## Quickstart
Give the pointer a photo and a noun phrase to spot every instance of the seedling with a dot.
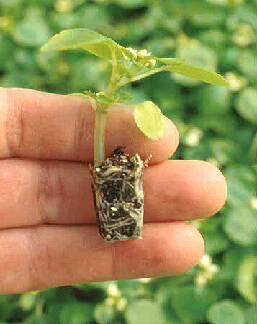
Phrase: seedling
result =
(117, 181)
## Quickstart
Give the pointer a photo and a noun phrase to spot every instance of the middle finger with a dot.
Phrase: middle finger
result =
(58, 192)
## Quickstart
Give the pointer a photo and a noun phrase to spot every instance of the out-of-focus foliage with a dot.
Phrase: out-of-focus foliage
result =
(216, 124)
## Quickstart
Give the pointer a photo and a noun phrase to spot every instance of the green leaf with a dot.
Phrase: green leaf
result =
(131, 4)
(194, 53)
(246, 104)
(144, 311)
(241, 226)
(33, 30)
(75, 313)
(241, 182)
(247, 273)
(83, 39)
(213, 101)
(226, 312)
(198, 73)
(104, 314)
(194, 72)
(247, 63)
(27, 301)
(251, 315)
(215, 243)
(150, 120)
(191, 304)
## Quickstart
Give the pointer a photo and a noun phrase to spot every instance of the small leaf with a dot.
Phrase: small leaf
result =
(150, 120)
(83, 39)
(198, 73)
(225, 312)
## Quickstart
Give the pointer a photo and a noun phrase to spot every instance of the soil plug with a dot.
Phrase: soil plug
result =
(119, 196)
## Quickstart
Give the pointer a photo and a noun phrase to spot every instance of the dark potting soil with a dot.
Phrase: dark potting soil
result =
(117, 185)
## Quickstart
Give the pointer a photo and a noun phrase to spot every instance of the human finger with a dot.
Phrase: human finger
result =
(40, 192)
(50, 256)
(41, 125)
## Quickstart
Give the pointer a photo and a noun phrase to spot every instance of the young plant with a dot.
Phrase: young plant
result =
(117, 181)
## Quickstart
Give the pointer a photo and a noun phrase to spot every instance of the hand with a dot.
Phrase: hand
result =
(48, 235)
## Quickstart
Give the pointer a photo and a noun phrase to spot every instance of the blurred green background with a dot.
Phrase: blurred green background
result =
(216, 124)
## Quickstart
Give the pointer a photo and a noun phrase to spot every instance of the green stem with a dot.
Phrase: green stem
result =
(101, 115)
(99, 136)
(114, 76)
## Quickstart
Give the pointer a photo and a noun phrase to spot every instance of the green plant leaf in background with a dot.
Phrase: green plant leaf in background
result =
(144, 311)
(75, 313)
(251, 315)
(191, 304)
(150, 120)
(104, 314)
(241, 226)
(226, 312)
(247, 104)
(33, 30)
(246, 278)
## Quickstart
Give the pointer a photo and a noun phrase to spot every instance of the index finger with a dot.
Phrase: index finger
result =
(41, 125)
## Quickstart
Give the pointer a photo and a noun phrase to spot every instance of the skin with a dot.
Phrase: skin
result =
(48, 235)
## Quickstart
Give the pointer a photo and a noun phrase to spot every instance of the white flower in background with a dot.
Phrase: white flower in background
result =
(200, 281)
(207, 271)
(113, 290)
(235, 81)
(115, 298)
(193, 137)
(253, 203)
(205, 261)
(121, 304)
(244, 35)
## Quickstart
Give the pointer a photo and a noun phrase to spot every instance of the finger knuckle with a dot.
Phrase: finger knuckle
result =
(14, 120)
(39, 260)
(50, 192)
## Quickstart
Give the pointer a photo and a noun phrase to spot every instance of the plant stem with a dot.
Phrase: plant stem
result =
(99, 136)
(101, 115)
